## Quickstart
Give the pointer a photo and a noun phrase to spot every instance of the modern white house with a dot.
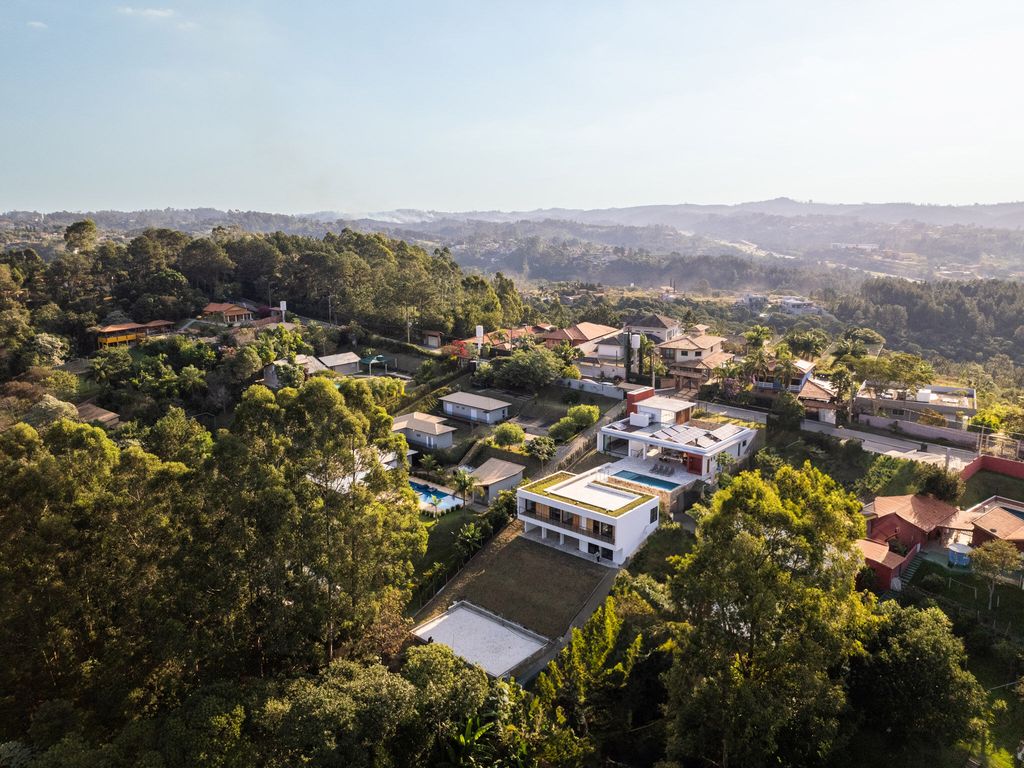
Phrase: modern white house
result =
(494, 476)
(588, 514)
(344, 362)
(424, 430)
(475, 408)
(665, 450)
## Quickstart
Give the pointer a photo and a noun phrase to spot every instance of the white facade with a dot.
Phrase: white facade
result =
(588, 513)
(689, 450)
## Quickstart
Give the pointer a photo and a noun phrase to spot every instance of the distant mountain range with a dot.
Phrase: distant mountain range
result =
(917, 241)
(685, 215)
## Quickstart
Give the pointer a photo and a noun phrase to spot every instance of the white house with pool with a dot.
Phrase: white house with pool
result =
(592, 514)
(664, 449)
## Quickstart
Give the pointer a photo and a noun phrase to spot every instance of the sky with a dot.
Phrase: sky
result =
(312, 105)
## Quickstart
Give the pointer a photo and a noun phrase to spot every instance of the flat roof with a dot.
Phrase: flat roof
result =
(470, 400)
(588, 492)
(340, 359)
(673, 404)
(480, 637)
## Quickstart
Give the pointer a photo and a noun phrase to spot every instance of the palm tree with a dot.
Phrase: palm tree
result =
(463, 483)
(758, 336)
(785, 365)
(755, 364)
(428, 464)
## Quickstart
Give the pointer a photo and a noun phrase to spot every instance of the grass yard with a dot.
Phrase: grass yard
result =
(525, 582)
(441, 533)
(590, 461)
(985, 484)
(1010, 607)
(864, 473)
(652, 559)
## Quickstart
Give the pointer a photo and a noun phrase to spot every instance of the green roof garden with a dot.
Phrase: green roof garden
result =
(540, 487)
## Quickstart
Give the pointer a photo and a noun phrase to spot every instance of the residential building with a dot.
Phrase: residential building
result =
(589, 513)
(224, 312)
(494, 476)
(692, 358)
(819, 400)
(503, 341)
(424, 430)
(798, 305)
(667, 452)
(886, 563)
(911, 519)
(585, 336)
(346, 363)
(934, 404)
(308, 363)
(998, 518)
(475, 408)
(129, 334)
(656, 327)
(432, 339)
(91, 413)
(773, 379)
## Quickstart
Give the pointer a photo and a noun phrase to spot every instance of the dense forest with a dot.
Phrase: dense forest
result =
(969, 320)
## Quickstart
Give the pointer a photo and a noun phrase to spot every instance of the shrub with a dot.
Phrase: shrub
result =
(509, 434)
(933, 582)
(584, 415)
(563, 429)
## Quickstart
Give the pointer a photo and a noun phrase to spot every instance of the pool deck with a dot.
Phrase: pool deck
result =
(679, 476)
(426, 507)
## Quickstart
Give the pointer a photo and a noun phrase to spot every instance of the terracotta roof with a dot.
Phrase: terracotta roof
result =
(421, 422)
(224, 308)
(1002, 523)
(814, 389)
(580, 332)
(89, 412)
(495, 470)
(709, 362)
(923, 512)
(157, 323)
(651, 320)
(119, 327)
(877, 552)
(692, 341)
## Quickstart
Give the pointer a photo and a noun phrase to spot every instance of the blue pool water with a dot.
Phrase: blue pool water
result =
(445, 500)
(655, 482)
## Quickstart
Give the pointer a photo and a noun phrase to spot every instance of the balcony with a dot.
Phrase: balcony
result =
(572, 527)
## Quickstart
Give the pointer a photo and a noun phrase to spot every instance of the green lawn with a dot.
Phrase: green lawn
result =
(864, 473)
(670, 539)
(523, 581)
(985, 484)
(441, 533)
(969, 591)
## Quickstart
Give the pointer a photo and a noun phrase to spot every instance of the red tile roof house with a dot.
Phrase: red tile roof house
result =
(585, 335)
(226, 313)
(500, 342)
(911, 519)
(883, 561)
(998, 518)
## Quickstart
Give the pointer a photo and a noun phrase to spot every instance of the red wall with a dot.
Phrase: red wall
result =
(632, 398)
(884, 528)
(1006, 467)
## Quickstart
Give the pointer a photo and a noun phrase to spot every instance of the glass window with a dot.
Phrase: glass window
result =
(654, 514)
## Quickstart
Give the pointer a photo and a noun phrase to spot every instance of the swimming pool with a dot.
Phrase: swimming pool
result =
(445, 501)
(655, 482)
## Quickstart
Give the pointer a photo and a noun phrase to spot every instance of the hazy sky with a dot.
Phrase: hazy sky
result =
(299, 105)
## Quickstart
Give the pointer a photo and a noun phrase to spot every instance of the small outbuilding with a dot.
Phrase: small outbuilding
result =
(494, 476)
(475, 408)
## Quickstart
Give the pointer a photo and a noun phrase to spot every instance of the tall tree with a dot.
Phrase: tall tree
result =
(768, 612)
